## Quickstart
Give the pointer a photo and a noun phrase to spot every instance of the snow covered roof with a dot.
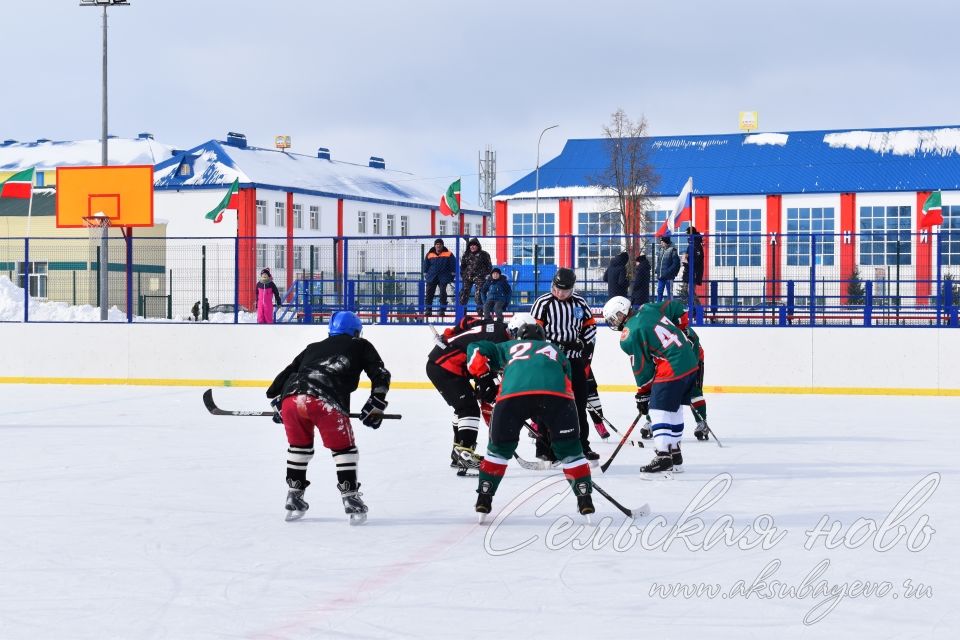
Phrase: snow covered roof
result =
(49, 154)
(909, 159)
(217, 164)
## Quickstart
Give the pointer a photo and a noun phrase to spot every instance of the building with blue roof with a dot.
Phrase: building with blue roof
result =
(758, 199)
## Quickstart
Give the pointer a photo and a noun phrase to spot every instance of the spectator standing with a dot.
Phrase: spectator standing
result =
(496, 294)
(695, 241)
(267, 292)
(640, 287)
(439, 268)
(668, 266)
(616, 275)
(474, 269)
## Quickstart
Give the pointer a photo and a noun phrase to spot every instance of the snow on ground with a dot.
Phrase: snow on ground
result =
(130, 512)
(11, 310)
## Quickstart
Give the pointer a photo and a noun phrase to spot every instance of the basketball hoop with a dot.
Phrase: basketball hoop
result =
(97, 220)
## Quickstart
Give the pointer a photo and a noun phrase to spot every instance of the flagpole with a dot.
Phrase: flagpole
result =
(30, 203)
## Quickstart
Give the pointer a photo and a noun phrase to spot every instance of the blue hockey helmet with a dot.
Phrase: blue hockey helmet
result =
(345, 322)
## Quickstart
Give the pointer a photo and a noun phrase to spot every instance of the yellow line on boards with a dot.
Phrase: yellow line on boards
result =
(745, 389)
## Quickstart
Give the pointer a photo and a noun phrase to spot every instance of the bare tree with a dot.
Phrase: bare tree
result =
(629, 178)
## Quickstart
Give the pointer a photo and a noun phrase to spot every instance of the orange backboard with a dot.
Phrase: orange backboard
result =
(123, 194)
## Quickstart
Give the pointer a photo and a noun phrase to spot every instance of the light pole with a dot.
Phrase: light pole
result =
(104, 228)
(536, 208)
(103, 113)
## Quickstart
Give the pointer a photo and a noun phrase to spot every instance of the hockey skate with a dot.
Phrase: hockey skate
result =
(584, 500)
(702, 432)
(466, 457)
(296, 506)
(661, 466)
(353, 504)
(645, 433)
(677, 457)
(484, 501)
(592, 456)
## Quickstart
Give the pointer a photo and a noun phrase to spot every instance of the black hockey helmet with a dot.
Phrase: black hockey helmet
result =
(564, 278)
(531, 332)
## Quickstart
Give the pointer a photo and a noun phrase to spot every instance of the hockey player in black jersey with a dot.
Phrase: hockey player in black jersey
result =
(447, 370)
(313, 392)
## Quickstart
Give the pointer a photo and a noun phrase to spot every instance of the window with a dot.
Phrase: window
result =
(442, 227)
(38, 176)
(316, 256)
(391, 223)
(185, 170)
(376, 224)
(38, 278)
(539, 238)
(279, 256)
(261, 255)
(950, 232)
(279, 214)
(262, 212)
(314, 217)
(361, 221)
(885, 235)
(737, 238)
(595, 246)
(804, 222)
(298, 257)
(298, 216)
(404, 225)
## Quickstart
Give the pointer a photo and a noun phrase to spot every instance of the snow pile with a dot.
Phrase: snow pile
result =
(11, 308)
(777, 139)
(73, 153)
(905, 142)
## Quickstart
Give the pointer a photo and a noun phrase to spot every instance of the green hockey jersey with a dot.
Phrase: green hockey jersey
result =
(658, 349)
(527, 366)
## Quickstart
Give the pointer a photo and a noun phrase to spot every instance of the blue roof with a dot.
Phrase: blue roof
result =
(838, 161)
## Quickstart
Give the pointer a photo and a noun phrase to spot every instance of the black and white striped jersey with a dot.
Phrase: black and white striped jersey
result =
(565, 321)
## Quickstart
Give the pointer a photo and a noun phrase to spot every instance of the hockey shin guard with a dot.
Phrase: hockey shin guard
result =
(494, 466)
(346, 462)
(297, 460)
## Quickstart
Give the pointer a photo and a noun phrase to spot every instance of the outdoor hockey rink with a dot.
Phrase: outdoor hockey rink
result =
(130, 512)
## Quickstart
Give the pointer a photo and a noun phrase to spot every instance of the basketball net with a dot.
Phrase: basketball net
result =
(98, 231)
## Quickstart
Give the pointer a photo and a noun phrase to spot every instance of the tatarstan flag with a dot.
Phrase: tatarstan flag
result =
(18, 185)
(230, 201)
(932, 211)
(450, 202)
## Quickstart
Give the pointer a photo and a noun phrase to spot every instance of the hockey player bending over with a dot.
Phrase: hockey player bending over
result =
(536, 385)
(665, 367)
(447, 370)
(314, 392)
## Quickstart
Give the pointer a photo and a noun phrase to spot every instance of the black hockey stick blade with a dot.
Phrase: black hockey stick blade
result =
(637, 512)
(623, 441)
(217, 411)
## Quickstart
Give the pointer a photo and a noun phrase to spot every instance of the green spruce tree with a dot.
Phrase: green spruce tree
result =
(855, 290)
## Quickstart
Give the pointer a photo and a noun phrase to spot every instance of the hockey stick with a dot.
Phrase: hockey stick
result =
(217, 411)
(632, 443)
(606, 465)
(710, 431)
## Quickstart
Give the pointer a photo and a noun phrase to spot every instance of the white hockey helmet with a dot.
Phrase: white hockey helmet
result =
(518, 320)
(616, 312)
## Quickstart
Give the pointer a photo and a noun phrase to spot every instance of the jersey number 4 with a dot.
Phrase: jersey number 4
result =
(519, 350)
(667, 337)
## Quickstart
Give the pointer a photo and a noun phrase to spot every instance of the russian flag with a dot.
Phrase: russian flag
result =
(682, 210)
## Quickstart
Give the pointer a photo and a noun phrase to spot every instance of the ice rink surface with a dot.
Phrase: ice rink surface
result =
(130, 512)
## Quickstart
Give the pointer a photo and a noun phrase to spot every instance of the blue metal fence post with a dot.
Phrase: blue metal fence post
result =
(347, 299)
(457, 285)
(813, 279)
(26, 279)
(782, 315)
(128, 237)
(791, 299)
(868, 304)
(384, 313)
(236, 280)
(939, 288)
(421, 297)
(307, 301)
(714, 295)
(351, 295)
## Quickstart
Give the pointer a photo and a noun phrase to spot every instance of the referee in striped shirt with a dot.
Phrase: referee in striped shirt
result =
(568, 322)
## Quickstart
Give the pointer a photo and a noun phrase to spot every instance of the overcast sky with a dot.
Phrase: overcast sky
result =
(428, 83)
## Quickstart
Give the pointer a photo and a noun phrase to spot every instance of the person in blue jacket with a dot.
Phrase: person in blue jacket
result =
(668, 266)
(439, 269)
(496, 294)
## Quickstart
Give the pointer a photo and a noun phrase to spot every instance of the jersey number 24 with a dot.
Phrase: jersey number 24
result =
(519, 351)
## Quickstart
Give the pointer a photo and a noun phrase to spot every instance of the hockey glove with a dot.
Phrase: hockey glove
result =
(487, 388)
(372, 412)
(643, 403)
(275, 403)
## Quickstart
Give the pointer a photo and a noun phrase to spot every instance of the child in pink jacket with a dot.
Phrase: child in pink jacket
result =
(266, 293)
